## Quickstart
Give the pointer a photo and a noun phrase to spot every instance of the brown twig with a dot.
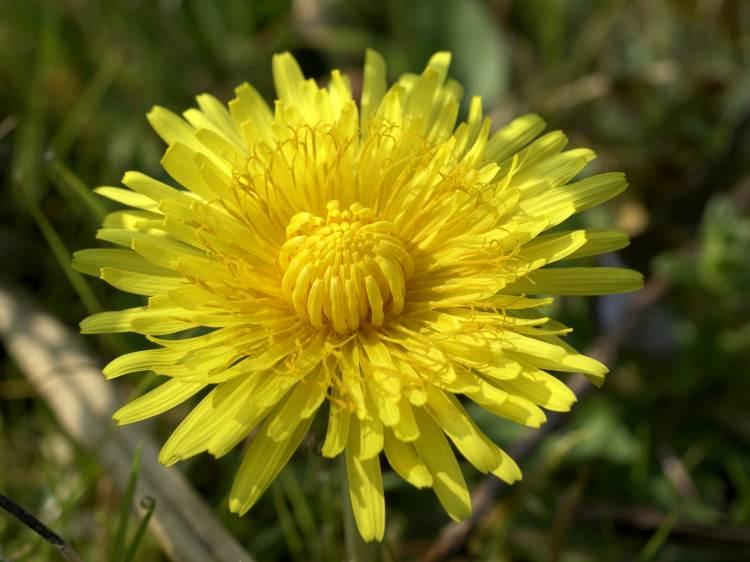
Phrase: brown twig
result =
(677, 474)
(569, 504)
(453, 536)
(648, 520)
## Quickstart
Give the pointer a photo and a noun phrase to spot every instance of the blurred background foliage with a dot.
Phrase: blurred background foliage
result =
(655, 466)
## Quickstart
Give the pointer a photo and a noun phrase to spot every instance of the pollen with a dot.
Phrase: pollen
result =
(346, 270)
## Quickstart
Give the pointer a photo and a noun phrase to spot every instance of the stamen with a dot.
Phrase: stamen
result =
(346, 270)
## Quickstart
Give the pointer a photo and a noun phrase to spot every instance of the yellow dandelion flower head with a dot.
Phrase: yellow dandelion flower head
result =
(372, 260)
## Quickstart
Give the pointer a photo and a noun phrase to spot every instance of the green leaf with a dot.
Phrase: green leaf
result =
(605, 435)
(480, 53)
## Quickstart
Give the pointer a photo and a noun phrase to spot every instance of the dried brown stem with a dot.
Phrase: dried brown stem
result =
(648, 520)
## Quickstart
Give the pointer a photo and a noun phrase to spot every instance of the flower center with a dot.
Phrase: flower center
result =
(345, 270)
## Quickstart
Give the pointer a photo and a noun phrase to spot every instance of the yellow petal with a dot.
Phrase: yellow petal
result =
(144, 320)
(262, 463)
(289, 80)
(133, 220)
(261, 399)
(440, 62)
(508, 470)
(548, 249)
(144, 360)
(513, 137)
(559, 203)
(540, 388)
(406, 429)
(302, 403)
(579, 281)
(340, 93)
(140, 283)
(404, 460)
(366, 493)
(171, 128)
(552, 171)
(374, 83)
(162, 398)
(164, 252)
(536, 346)
(151, 188)
(221, 147)
(337, 434)
(542, 148)
(125, 237)
(502, 369)
(249, 105)
(366, 435)
(217, 113)
(466, 436)
(93, 260)
(420, 100)
(572, 361)
(506, 405)
(179, 162)
(220, 180)
(601, 241)
(127, 197)
(211, 339)
(447, 481)
(385, 406)
(467, 132)
(194, 433)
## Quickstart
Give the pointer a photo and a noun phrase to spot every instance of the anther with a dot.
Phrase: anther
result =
(345, 270)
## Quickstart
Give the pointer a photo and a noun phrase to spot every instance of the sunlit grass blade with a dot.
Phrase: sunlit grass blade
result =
(118, 547)
(86, 104)
(149, 505)
(63, 257)
(657, 540)
(25, 171)
(738, 474)
(301, 510)
(72, 187)
(292, 536)
(318, 477)
(27, 159)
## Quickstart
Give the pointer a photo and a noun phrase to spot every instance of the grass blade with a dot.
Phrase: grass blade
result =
(28, 144)
(63, 257)
(301, 510)
(118, 549)
(149, 504)
(657, 540)
(70, 185)
(86, 104)
(291, 534)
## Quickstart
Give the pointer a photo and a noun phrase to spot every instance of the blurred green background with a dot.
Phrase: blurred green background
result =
(654, 466)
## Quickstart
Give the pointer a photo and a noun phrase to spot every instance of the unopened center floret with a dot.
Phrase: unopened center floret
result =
(345, 270)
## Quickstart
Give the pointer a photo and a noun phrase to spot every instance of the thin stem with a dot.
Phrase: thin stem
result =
(39, 528)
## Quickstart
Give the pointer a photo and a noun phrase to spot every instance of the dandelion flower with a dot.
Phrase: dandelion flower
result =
(373, 261)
